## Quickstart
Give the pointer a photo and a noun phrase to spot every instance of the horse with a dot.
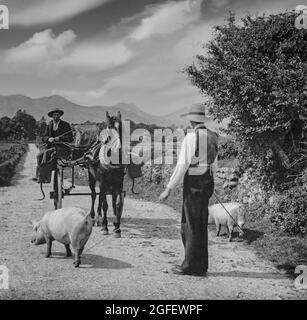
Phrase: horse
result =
(109, 176)
(92, 145)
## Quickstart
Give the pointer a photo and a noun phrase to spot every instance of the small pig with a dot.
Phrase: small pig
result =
(219, 217)
(66, 225)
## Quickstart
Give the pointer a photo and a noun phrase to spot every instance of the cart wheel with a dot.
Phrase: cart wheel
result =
(58, 184)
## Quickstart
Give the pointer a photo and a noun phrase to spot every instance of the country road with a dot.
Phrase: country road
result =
(137, 266)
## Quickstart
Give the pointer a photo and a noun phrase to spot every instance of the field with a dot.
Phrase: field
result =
(5, 146)
(10, 155)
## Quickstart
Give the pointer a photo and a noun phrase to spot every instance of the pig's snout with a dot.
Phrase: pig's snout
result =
(33, 239)
(38, 240)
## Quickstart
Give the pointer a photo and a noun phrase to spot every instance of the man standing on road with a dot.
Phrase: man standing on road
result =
(56, 131)
(196, 165)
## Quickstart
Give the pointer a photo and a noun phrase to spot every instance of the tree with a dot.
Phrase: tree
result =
(41, 126)
(254, 74)
(5, 127)
(21, 126)
(26, 123)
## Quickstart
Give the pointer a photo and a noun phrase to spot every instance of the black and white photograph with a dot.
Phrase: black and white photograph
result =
(153, 150)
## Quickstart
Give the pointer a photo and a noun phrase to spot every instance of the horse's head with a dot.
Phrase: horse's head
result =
(114, 128)
(114, 122)
(111, 139)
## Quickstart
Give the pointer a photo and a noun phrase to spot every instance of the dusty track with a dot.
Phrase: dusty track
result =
(137, 266)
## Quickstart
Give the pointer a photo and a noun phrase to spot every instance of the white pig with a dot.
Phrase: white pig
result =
(67, 226)
(219, 217)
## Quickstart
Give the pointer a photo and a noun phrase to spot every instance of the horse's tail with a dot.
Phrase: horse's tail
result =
(43, 193)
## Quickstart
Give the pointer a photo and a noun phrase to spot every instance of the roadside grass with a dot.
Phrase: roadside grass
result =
(11, 154)
(151, 192)
(284, 251)
(5, 146)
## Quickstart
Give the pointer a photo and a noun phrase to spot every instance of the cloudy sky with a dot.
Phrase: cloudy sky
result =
(102, 52)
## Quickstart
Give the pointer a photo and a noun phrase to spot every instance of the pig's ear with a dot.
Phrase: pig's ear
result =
(35, 225)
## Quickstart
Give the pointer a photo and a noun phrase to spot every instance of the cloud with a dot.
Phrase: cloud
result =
(113, 67)
(51, 11)
(153, 81)
(220, 3)
(46, 54)
(154, 78)
(167, 18)
(96, 57)
(40, 53)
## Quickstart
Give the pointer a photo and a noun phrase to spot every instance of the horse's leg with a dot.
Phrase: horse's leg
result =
(104, 204)
(118, 203)
(68, 251)
(92, 184)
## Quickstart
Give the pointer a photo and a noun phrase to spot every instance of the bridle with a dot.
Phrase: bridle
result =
(110, 141)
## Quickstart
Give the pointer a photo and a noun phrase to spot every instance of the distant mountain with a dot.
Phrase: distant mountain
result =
(74, 113)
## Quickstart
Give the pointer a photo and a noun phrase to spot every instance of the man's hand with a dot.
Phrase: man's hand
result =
(51, 140)
(165, 194)
(57, 139)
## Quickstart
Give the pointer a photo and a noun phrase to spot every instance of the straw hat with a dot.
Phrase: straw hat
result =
(196, 113)
(56, 110)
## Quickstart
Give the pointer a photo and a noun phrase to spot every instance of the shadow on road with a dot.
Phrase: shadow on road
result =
(242, 274)
(252, 235)
(289, 268)
(95, 262)
(154, 228)
(100, 262)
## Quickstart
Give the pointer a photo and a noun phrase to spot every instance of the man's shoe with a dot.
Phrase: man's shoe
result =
(179, 271)
(199, 274)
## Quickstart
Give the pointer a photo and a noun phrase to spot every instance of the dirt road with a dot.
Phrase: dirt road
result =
(137, 266)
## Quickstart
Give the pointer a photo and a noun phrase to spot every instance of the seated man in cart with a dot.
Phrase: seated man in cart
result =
(56, 132)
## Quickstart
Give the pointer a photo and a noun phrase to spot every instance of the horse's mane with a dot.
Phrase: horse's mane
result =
(86, 134)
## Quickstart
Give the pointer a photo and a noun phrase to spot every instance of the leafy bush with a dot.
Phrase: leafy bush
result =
(11, 151)
(289, 211)
(228, 149)
(255, 75)
(157, 174)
